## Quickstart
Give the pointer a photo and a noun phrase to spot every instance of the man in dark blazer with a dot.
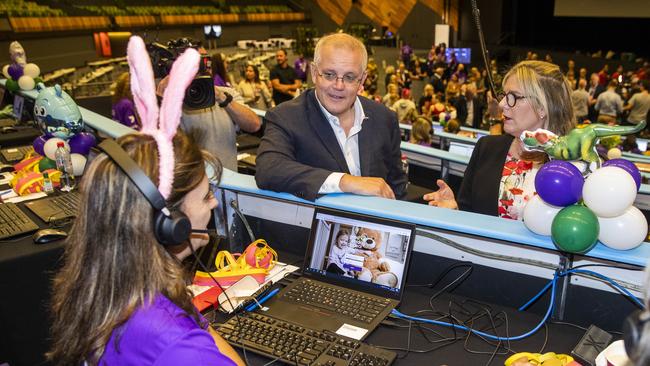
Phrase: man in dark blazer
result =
(329, 139)
(462, 103)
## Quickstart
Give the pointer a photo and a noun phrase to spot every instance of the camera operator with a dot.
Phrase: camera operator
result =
(214, 114)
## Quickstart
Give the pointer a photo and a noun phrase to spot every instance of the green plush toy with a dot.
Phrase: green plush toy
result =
(579, 143)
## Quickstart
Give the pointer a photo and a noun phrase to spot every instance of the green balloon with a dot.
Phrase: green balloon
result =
(12, 85)
(575, 229)
(45, 164)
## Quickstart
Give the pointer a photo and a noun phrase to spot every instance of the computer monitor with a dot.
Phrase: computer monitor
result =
(212, 30)
(463, 55)
(461, 149)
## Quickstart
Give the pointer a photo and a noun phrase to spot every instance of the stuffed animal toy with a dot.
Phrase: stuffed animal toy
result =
(376, 268)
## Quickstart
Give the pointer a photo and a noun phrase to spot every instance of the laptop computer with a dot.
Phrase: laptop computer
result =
(354, 274)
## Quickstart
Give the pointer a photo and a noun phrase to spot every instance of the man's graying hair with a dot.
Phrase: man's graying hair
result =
(341, 40)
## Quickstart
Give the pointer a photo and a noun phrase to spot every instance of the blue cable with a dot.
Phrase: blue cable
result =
(609, 280)
(552, 283)
(483, 334)
(540, 293)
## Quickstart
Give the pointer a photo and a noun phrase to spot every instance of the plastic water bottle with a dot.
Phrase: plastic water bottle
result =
(64, 165)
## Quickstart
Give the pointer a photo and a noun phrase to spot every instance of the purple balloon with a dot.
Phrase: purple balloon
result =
(16, 71)
(559, 183)
(629, 167)
(81, 143)
(38, 144)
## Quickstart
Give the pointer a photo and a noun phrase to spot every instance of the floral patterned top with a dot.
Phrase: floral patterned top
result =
(516, 188)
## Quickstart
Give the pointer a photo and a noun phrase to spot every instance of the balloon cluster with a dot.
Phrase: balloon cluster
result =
(60, 120)
(20, 74)
(577, 213)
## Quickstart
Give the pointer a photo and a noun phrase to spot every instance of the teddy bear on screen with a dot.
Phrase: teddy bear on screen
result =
(376, 268)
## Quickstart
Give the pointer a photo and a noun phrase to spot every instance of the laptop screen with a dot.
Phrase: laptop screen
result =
(360, 252)
(462, 149)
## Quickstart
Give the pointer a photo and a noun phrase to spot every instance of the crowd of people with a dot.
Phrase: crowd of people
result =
(452, 92)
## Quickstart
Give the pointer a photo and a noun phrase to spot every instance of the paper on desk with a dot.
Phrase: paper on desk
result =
(15, 198)
(242, 156)
(278, 272)
(351, 331)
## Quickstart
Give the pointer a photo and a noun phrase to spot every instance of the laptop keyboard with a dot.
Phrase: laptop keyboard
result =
(363, 308)
(297, 345)
(15, 154)
(14, 222)
(56, 207)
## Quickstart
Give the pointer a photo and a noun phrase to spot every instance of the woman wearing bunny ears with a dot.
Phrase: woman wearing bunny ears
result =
(121, 297)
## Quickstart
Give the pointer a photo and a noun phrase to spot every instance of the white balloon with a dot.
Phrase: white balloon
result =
(78, 164)
(26, 82)
(614, 153)
(5, 71)
(539, 215)
(609, 191)
(31, 70)
(623, 232)
(50, 147)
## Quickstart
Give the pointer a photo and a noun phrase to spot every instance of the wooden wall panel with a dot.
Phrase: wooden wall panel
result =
(391, 13)
(387, 13)
(336, 9)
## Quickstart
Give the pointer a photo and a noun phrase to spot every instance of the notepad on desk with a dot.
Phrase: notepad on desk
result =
(207, 296)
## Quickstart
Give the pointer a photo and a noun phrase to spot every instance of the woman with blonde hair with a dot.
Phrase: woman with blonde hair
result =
(500, 176)
(421, 132)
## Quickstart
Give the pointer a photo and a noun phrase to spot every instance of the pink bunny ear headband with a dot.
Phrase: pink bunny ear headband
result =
(161, 125)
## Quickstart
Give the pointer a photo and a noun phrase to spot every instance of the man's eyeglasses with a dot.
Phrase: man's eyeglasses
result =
(348, 79)
(511, 98)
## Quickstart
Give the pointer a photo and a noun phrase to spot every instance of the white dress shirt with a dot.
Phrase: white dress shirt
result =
(349, 146)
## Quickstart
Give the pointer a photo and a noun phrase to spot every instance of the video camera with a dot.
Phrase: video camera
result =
(200, 93)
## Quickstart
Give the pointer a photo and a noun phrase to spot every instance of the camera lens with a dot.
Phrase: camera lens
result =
(200, 93)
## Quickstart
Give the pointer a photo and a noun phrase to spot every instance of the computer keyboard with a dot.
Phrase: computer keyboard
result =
(293, 344)
(55, 207)
(355, 305)
(14, 222)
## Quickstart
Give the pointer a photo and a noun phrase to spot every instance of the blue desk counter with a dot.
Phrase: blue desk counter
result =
(434, 217)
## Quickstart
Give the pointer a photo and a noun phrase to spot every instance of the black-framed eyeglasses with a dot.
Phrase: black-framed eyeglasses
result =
(511, 98)
(348, 79)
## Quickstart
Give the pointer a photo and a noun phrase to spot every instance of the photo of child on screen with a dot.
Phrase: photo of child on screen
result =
(338, 251)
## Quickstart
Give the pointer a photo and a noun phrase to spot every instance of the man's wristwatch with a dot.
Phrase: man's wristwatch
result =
(227, 101)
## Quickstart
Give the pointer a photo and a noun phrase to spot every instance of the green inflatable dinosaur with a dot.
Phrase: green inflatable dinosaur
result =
(579, 143)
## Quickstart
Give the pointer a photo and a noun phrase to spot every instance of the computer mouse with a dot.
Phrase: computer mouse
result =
(45, 236)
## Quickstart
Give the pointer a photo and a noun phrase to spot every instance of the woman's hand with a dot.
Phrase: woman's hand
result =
(443, 197)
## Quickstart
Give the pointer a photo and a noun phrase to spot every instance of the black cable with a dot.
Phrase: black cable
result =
(581, 327)
(484, 51)
(237, 316)
(453, 284)
(235, 207)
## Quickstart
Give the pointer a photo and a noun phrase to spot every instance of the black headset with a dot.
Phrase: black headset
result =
(170, 227)
(632, 333)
